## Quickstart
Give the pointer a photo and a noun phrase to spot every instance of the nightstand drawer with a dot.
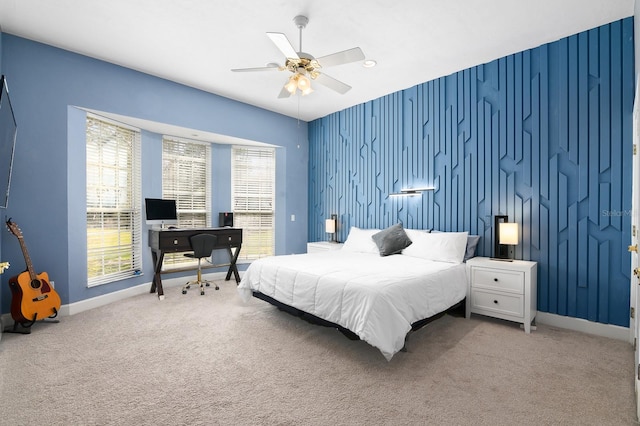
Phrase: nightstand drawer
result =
(501, 303)
(498, 280)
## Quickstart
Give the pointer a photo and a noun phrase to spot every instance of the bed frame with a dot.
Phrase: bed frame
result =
(456, 310)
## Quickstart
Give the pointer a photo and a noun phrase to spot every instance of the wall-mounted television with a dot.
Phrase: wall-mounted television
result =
(160, 212)
(8, 132)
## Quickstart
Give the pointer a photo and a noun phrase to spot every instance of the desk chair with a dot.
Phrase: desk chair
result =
(202, 245)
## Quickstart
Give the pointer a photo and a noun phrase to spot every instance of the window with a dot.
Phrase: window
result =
(253, 198)
(114, 243)
(186, 178)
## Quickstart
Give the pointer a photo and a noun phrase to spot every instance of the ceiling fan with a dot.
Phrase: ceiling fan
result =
(304, 66)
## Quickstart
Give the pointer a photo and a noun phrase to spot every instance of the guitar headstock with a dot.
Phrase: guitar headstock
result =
(13, 228)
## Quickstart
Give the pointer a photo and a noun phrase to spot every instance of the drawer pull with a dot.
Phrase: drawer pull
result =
(495, 301)
(495, 279)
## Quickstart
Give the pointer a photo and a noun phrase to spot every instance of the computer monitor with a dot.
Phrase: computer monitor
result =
(161, 212)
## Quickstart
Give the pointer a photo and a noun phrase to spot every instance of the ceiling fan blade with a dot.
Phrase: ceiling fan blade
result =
(284, 93)
(339, 58)
(282, 43)
(267, 68)
(332, 83)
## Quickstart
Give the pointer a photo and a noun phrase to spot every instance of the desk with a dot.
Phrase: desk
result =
(163, 241)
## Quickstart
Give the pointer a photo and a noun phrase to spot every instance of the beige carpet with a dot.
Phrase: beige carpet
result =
(208, 360)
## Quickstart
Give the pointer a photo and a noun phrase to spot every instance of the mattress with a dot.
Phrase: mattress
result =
(377, 298)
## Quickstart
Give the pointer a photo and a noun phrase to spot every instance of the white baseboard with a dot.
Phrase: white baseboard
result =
(569, 323)
(582, 325)
(96, 302)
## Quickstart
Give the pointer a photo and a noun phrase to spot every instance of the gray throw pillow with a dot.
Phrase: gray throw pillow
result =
(472, 243)
(391, 240)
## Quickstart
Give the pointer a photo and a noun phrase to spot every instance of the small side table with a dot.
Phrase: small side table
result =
(320, 246)
(501, 289)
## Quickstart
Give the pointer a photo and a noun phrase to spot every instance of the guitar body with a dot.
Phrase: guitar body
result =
(32, 300)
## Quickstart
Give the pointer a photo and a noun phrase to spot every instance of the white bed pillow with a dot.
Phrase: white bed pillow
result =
(441, 246)
(472, 244)
(415, 233)
(360, 241)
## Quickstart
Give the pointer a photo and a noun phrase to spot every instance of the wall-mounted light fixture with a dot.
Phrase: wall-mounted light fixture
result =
(331, 227)
(408, 192)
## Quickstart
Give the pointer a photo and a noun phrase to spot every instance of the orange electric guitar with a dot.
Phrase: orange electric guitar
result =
(33, 298)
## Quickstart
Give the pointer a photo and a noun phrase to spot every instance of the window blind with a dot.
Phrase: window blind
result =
(114, 243)
(253, 199)
(186, 178)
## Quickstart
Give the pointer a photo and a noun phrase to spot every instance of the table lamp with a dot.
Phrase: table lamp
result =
(509, 236)
(330, 227)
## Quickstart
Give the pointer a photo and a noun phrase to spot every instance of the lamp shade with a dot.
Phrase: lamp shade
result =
(509, 233)
(330, 226)
(291, 85)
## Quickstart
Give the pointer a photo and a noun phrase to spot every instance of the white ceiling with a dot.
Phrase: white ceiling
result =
(197, 42)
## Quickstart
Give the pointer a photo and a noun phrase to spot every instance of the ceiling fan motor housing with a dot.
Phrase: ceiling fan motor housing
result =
(301, 21)
(305, 63)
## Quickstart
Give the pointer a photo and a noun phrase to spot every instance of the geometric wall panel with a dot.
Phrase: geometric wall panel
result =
(543, 136)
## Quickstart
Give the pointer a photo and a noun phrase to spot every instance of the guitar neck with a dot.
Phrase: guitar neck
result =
(27, 258)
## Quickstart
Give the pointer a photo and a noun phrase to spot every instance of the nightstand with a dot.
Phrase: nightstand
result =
(319, 246)
(500, 289)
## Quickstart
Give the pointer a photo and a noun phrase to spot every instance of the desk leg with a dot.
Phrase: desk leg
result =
(157, 267)
(232, 267)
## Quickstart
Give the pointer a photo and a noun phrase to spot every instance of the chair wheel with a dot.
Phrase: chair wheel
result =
(188, 287)
(184, 291)
(207, 284)
(202, 293)
(217, 288)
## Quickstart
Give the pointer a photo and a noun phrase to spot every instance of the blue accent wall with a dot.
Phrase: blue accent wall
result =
(49, 86)
(543, 136)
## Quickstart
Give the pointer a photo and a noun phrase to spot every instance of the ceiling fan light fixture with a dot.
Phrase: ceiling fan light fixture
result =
(299, 81)
(303, 82)
(292, 84)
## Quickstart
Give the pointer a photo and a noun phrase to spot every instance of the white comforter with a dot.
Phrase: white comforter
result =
(378, 298)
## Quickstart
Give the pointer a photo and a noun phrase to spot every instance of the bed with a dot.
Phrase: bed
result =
(363, 289)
